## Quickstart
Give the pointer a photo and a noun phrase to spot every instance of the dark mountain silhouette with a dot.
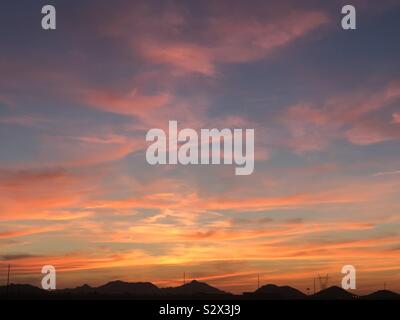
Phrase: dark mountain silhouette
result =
(193, 288)
(271, 291)
(334, 293)
(84, 289)
(22, 290)
(132, 288)
(382, 295)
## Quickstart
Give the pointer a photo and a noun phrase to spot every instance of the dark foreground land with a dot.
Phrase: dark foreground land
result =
(119, 290)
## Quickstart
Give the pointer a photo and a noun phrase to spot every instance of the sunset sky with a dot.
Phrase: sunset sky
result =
(76, 191)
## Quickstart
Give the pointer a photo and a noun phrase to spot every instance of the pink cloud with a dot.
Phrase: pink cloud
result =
(249, 40)
(230, 41)
(75, 151)
(186, 57)
(130, 103)
(347, 116)
(372, 131)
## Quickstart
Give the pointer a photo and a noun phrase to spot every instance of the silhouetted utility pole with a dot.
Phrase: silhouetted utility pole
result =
(314, 285)
(8, 280)
(258, 282)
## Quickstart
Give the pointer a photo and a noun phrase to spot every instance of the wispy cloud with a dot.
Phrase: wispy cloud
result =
(386, 173)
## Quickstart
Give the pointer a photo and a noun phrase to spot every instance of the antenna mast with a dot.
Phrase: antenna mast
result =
(8, 279)
(323, 281)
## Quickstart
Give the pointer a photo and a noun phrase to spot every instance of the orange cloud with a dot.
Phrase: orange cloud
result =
(22, 232)
(39, 194)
